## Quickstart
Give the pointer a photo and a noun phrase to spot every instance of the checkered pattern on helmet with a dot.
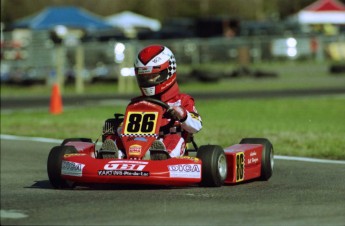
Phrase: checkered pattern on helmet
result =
(172, 66)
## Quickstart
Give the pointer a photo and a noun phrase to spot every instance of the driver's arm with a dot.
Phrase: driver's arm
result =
(187, 115)
(193, 123)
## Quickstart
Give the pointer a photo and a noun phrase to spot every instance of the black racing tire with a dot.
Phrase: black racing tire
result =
(267, 161)
(214, 165)
(65, 141)
(54, 164)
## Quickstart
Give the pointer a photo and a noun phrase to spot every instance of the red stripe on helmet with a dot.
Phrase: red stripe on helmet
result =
(147, 54)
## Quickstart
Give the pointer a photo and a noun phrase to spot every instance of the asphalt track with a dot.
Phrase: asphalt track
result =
(299, 193)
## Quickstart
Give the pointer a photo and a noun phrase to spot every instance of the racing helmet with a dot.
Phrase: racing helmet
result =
(155, 69)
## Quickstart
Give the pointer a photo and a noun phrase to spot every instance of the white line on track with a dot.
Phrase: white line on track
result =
(279, 157)
(305, 159)
(13, 214)
(38, 139)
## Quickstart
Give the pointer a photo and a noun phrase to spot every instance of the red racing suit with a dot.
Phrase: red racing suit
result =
(174, 134)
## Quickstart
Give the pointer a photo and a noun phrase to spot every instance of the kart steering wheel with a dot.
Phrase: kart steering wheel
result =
(152, 100)
(164, 105)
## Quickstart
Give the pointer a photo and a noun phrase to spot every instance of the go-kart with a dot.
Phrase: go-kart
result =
(78, 160)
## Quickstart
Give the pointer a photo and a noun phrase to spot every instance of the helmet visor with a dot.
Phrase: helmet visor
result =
(148, 80)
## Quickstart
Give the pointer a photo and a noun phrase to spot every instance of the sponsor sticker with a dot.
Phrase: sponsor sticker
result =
(123, 173)
(135, 149)
(140, 139)
(125, 165)
(72, 168)
(185, 170)
(157, 59)
(253, 158)
(124, 168)
(145, 70)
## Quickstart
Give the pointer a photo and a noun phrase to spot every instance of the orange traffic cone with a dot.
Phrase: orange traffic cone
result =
(55, 100)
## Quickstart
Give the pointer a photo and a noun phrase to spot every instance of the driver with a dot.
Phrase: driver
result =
(155, 70)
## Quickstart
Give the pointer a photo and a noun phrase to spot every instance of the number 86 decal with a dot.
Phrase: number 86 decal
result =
(141, 123)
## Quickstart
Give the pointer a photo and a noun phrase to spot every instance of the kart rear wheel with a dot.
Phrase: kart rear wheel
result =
(214, 165)
(54, 166)
(267, 161)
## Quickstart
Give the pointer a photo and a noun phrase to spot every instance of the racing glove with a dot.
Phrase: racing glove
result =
(179, 113)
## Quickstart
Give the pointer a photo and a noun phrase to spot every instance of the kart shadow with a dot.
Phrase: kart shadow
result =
(45, 184)
(125, 187)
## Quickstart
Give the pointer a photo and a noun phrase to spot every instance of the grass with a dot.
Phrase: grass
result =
(313, 127)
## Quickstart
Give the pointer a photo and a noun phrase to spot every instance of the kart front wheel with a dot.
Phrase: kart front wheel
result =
(54, 166)
(214, 165)
(267, 160)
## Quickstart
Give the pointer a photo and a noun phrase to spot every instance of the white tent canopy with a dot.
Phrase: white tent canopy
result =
(128, 20)
(322, 12)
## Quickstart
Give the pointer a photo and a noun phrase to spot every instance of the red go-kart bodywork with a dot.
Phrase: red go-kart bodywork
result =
(76, 160)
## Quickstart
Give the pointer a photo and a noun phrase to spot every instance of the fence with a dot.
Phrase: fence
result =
(37, 60)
